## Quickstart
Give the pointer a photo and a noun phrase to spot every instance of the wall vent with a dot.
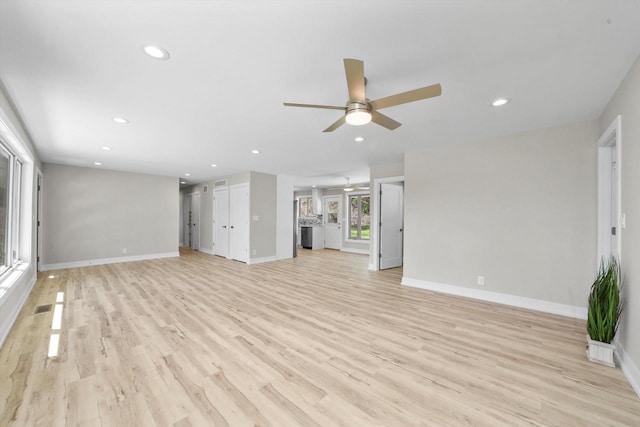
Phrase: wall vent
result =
(220, 183)
(205, 189)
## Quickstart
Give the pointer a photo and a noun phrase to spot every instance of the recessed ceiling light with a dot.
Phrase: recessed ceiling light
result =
(255, 151)
(187, 174)
(156, 52)
(120, 120)
(359, 139)
(183, 182)
(214, 165)
(97, 163)
(500, 102)
(313, 186)
(105, 148)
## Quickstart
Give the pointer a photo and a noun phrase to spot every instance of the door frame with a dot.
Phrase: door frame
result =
(612, 137)
(374, 240)
(190, 206)
(39, 191)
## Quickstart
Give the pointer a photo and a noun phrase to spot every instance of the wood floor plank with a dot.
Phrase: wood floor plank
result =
(318, 340)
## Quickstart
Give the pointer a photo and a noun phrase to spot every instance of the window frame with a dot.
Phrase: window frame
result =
(358, 237)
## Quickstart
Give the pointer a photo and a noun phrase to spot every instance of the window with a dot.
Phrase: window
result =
(359, 218)
(305, 207)
(10, 187)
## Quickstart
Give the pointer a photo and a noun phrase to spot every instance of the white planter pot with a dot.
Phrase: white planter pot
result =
(600, 352)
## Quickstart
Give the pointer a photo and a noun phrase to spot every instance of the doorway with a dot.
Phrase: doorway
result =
(333, 222)
(38, 219)
(611, 219)
(192, 211)
(391, 225)
(393, 228)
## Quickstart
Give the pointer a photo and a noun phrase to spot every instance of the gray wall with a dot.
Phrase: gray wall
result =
(92, 214)
(519, 210)
(284, 217)
(626, 102)
(12, 300)
(262, 204)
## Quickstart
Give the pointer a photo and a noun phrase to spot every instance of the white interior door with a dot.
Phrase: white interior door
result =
(239, 223)
(333, 222)
(391, 225)
(221, 221)
(195, 221)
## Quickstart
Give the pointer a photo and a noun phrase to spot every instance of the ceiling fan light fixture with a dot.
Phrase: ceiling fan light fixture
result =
(358, 114)
(348, 189)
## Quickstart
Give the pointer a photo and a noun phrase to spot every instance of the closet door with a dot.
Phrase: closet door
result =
(239, 222)
(221, 221)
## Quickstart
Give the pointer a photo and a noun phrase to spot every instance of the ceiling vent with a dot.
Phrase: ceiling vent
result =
(220, 183)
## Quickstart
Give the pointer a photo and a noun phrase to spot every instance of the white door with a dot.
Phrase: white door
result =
(391, 225)
(239, 223)
(194, 223)
(333, 222)
(221, 221)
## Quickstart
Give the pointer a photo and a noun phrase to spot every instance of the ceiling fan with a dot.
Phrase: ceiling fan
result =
(359, 110)
(347, 187)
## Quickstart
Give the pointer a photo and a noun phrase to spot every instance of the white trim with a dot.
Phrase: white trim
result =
(5, 328)
(629, 369)
(262, 260)
(356, 251)
(375, 229)
(102, 261)
(512, 300)
(610, 138)
(207, 251)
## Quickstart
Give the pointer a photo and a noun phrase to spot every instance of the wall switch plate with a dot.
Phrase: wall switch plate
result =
(256, 218)
(623, 221)
(480, 280)
(124, 250)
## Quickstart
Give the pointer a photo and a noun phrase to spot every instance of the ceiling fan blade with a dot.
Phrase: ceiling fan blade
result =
(405, 97)
(384, 121)
(326, 107)
(354, 70)
(336, 125)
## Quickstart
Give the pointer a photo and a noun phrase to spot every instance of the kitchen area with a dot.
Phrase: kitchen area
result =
(309, 219)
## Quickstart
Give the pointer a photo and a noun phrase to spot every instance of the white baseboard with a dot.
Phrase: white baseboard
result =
(261, 260)
(207, 251)
(6, 326)
(629, 368)
(373, 267)
(356, 251)
(513, 300)
(89, 262)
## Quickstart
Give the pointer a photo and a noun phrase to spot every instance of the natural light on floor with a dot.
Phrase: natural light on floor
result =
(56, 325)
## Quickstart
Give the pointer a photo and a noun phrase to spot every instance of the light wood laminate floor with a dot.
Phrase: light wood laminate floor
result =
(316, 341)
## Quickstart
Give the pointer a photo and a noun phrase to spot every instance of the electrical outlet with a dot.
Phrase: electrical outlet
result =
(480, 280)
(254, 252)
(124, 250)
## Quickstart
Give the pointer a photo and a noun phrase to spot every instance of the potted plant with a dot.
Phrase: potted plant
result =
(603, 313)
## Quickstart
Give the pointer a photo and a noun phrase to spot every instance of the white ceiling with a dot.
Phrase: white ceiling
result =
(71, 66)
